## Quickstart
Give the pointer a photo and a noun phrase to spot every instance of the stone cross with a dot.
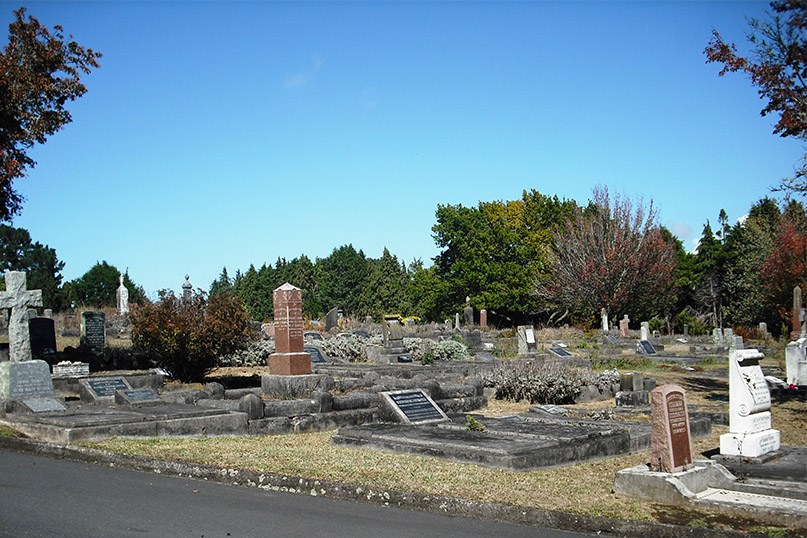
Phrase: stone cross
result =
(18, 299)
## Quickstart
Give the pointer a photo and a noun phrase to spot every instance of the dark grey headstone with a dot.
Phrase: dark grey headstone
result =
(102, 388)
(136, 397)
(414, 406)
(93, 329)
(43, 337)
(611, 340)
(560, 352)
(332, 319)
(317, 356)
(647, 347)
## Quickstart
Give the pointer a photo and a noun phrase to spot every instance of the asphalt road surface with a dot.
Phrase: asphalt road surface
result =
(41, 496)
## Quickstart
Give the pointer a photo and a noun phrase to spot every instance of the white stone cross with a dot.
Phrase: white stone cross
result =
(18, 299)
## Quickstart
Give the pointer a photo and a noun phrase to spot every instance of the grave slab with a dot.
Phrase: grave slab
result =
(413, 407)
(101, 390)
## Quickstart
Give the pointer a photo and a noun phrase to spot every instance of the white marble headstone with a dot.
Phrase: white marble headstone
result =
(750, 432)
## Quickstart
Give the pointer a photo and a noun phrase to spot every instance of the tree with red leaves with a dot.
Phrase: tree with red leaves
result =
(615, 257)
(778, 68)
(786, 266)
(39, 73)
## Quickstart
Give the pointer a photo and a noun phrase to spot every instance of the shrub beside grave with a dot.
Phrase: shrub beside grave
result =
(348, 347)
(546, 384)
(185, 336)
(449, 350)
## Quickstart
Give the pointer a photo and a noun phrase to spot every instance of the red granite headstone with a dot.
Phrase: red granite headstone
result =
(289, 357)
(671, 446)
(483, 318)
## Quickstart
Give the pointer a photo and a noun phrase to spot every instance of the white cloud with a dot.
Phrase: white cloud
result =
(681, 230)
(301, 78)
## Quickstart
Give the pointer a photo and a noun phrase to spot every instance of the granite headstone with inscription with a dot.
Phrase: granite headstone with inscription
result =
(93, 329)
(414, 407)
(101, 389)
(289, 357)
(750, 433)
(670, 445)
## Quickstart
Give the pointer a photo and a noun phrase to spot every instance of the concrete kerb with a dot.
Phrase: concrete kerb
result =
(518, 515)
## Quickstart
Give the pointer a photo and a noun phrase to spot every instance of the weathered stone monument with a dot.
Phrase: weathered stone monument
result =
(671, 445)
(750, 434)
(796, 362)
(604, 319)
(332, 319)
(797, 316)
(187, 288)
(526, 340)
(468, 312)
(483, 318)
(623, 326)
(289, 357)
(25, 384)
(457, 321)
(645, 331)
(18, 299)
(93, 329)
(122, 295)
(393, 349)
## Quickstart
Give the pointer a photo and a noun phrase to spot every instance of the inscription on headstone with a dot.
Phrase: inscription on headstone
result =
(560, 352)
(29, 379)
(136, 397)
(101, 389)
(93, 329)
(646, 348)
(289, 357)
(671, 446)
(414, 407)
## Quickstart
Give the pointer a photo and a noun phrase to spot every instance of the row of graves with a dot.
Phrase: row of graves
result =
(398, 406)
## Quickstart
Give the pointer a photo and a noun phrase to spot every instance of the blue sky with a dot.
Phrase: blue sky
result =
(229, 133)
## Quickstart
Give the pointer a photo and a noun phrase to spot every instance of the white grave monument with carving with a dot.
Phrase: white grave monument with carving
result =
(750, 434)
(796, 362)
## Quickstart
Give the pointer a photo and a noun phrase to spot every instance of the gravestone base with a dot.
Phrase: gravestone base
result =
(290, 363)
(35, 405)
(294, 386)
(385, 355)
(749, 445)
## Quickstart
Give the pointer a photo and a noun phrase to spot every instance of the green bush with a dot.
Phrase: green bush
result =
(473, 425)
(656, 324)
(184, 337)
(348, 347)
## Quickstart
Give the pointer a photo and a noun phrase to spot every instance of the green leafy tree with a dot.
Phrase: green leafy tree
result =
(223, 284)
(185, 336)
(39, 73)
(97, 287)
(777, 64)
(39, 262)
(341, 278)
(493, 253)
(387, 286)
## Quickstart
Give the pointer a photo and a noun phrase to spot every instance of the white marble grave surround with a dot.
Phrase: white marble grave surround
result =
(796, 362)
(750, 432)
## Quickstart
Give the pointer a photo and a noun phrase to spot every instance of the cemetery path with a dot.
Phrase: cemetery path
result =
(51, 497)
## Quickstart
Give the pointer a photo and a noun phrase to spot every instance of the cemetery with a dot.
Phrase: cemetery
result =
(584, 404)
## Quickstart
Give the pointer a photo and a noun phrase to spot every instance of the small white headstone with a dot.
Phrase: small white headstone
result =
(796, 362)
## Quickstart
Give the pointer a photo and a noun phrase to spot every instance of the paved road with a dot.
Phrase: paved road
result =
(40, 496)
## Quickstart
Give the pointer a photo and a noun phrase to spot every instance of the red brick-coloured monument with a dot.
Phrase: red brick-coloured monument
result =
(670, 445)
(289, 357)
